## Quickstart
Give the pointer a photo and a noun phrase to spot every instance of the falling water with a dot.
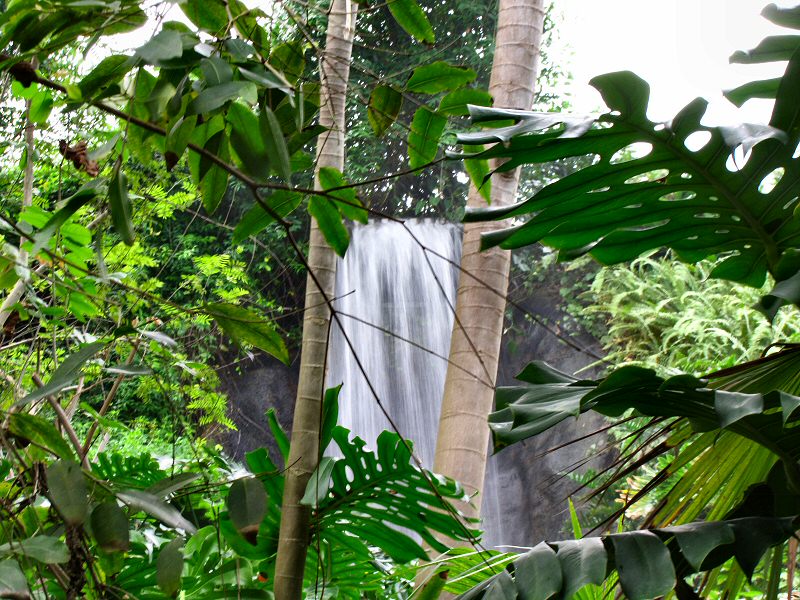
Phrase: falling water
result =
(395, 301)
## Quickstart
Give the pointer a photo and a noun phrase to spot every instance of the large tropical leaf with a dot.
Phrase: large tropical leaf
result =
(650, 563)
(693, 201)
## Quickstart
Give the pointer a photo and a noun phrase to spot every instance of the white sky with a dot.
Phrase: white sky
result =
(680, 47)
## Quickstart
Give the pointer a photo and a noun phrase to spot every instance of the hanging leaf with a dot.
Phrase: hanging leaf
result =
(157, 508)
(478, 170)
(350, 206)
(208, 15)
(282, 202)
(329, 221)
(169, 567)
(319, 483)
(247, 505)
(330, 416)
(120, 204)
(110, 527)
(278, 434)
(423, 139)
(275, 144)
(245, 326)
(109, 71)
(178, 135)
(412, 18)
(67, 491)
(439, 77)
(247, 141)
(67, 372)
(166, 44)
(385, 103)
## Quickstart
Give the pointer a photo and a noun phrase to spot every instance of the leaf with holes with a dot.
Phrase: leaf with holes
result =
(676, 195)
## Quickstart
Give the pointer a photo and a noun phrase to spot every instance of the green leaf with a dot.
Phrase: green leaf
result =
(765, 88)
(330, 416)
(110, 527)
(208, 15)
(216, 71)
(329, 221)
(423, 139)
(110, 70)
(169, 485)
(166, 44)
(455, 103)
(245, 326)
(214, 182)
(281, 439)
(275, 144)
(644, 565)
(583, 562)
(385, 103)
(350, 206)
(67, 372)
(266, 79)
(41, 106)
(152, 505)
(319, 483)
(178, 137)
(256, 219)
(538, 574)
(247, 505)
(412, 18)
(13, 583)
(289, 59)
(216, 96)
(45, 549)
(772, 48)
(67, 491)
(83, 196)
(439, 77)
(478, 170)
(169, 567)
(698, 540)
(120, 205)
(247, 141)
(39, 431)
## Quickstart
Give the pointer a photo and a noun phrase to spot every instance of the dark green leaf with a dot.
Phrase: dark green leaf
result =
(538, 574)
(110, 70)
(65, 374)
(245, 326)
(45, 549)
(247, 142)
(412, 18)
(329, 221)
(281, 439)
(166, 44)
(208, 15)
(773, 48)
(644, 565)
(13, 583)
(423, 139)
(289, 59)
(216, 71)
(455, 103)
(39, 431)
(110, 527)
(120, 205)
(266, 78)
(169, 567)
(583, 562)
(67, 491)
(152, 505)
(765, 88)
(385, 103)
(213, 97)
(275, 144)
(698, 540)
(282, 202)
(439, 77)
(247, 505)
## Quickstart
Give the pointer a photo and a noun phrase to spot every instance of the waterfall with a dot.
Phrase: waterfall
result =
(395, 302)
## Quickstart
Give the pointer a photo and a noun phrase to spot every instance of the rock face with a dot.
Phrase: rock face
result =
(531, 485)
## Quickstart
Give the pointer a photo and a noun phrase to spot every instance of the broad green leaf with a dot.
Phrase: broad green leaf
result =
(278, 434)
(166, 44)
(423, 139)
(216, 71)
(178, 137)
(644, 565)
(245, 326)
(67, 491)
(256, 219)
(216, 96)
(41, 106)
(698, 540)
(289, 59)
(44, 548)
(350, 206)
(772, 48)
(385, 103)
(275, 144)
(765, 88)
(537, 574)
(329, 221)
(455, 103)
(330, 416)
(247, 505)
(583, 562)
(83, 196)
(40, 432)
(412, 18)
(247, 141)
(110, 70)
(319, 483)
(120, 204)
(214, 182)
(154, 506)
(67, 372)
(169, 567)
(478, 170)
(110, 527)
(13, 583)
(266, 78)
(439, 77)
(208, 15)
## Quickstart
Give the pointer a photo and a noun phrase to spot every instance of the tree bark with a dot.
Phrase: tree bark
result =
(463, 439)
(304, 453)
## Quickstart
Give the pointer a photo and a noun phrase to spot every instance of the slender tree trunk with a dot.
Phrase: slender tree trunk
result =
(304, 454)
(463, 439)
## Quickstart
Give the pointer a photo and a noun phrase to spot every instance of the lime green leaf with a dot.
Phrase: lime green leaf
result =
(385, 103)
(80, 198)
(247, 505)
(423, 139)
(275, 144)
(41, 105)
(169, 567)
(110, 527)
(455, 103)
(350, 206)
(439, 77)
(44, 548)
(329, 221)
(39, 431)
(120, 204)
(412, 18)
(256, 219)
(644, 565)
(67, 491)
(213, 97)
(245, 326)
(166, 44)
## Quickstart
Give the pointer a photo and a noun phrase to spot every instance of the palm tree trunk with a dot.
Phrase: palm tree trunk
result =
(463, 439)
(304, 454)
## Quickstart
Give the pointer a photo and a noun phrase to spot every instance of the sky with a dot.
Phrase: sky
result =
(680, 47)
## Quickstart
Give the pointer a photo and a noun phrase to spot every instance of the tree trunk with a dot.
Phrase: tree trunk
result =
(304, 453)
(463, 439)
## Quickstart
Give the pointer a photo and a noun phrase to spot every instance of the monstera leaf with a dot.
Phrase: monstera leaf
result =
(698, 202)
(649, 563)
